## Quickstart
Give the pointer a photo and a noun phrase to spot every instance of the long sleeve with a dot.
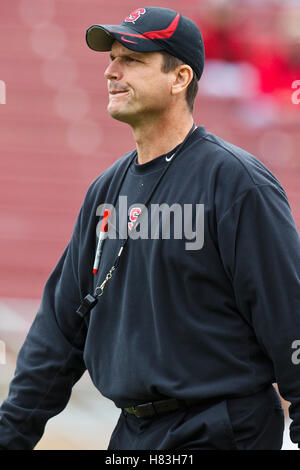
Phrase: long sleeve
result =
(260, 248)
(50, 360)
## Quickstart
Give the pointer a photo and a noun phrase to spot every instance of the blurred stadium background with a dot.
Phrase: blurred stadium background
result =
(56, 138)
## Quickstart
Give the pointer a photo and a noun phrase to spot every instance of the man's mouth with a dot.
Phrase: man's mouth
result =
(117, 92)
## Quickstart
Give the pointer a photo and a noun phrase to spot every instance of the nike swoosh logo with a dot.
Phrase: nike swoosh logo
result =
(168, 159)
(126, 40)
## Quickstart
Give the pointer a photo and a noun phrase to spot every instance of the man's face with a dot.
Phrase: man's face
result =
(138, 89)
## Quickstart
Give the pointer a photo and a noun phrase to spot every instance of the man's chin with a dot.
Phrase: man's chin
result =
(120, 116)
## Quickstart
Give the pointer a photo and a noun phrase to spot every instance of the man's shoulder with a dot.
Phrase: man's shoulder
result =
(231, 162)
(109, 172)
(102, 182)
(99, 189)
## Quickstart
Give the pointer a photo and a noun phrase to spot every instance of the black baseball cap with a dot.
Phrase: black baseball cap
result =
(153, 29)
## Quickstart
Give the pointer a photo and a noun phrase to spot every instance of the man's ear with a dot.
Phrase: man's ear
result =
(183, 75)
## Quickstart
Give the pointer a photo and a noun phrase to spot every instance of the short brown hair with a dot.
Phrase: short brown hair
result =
(170, 62)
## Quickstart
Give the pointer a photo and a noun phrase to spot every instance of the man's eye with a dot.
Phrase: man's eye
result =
(126, 59)
(131, 59)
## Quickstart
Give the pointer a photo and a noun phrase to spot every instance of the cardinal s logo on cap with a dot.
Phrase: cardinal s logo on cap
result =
(135, 15)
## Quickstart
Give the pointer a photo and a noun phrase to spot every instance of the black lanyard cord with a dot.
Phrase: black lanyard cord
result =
(90, 300)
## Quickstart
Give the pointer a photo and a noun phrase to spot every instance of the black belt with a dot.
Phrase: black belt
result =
(146, 410)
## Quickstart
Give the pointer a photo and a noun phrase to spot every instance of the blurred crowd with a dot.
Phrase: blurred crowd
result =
(252, 49)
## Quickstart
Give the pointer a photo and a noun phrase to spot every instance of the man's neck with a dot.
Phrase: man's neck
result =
(160, 138)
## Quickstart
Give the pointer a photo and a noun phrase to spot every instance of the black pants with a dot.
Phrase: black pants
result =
(254, 422)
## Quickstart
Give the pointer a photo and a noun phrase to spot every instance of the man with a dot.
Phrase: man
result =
(192, 308)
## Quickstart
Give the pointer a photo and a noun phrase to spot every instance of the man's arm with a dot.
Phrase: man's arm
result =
(50, 360)
(260, 248)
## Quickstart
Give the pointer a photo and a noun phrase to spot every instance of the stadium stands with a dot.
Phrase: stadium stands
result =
(56, 137)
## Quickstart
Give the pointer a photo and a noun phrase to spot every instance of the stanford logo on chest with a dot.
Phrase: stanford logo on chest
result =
(135, 15)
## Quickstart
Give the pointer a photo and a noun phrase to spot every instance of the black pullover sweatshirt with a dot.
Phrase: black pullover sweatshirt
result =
(211, 312)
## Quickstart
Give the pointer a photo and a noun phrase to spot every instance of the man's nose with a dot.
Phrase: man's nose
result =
(113, 71)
